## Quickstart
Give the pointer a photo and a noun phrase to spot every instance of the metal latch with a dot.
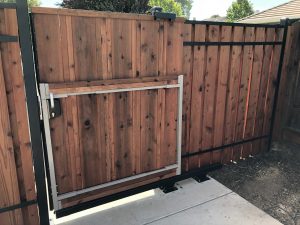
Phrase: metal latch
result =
(158, 14)
(55, 107)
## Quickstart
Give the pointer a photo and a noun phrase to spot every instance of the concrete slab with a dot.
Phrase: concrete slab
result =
(193, 203)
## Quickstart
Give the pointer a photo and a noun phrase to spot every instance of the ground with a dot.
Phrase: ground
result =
(270, 181)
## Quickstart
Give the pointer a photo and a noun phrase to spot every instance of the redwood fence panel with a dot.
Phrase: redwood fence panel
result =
(233, 80)
(230, 89)
(230, 76)
(17, 182)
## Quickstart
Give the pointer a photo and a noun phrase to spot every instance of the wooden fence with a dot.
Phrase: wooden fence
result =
(287, 125)
(232, 92)
(228, 88)
(17, 182)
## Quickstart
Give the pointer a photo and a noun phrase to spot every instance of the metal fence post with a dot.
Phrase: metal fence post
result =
(285, 22)
(33, 108)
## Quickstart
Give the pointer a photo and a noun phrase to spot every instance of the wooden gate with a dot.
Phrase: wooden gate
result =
(112, 122)
(101, 134)
(112, 99)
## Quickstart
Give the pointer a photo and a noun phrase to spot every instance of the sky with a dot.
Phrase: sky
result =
(203, 9)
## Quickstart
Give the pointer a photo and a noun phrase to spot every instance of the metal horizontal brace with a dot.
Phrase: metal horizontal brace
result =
(195, 43)
(8, 38)
(18, 206)
(200, 152)
(8, 5)
(233, 24)
(97, 187)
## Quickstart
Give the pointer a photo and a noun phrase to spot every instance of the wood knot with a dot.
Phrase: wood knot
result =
(87, 123)
(118, 164)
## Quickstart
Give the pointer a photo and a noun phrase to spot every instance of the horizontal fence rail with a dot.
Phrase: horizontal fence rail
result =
(8, 5)
(18, 206)
(8, 38)
(199, 43)
(223, 146)
(234, 24)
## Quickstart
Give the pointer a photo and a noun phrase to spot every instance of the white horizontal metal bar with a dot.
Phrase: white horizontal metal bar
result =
(97, 187)
(109, 91)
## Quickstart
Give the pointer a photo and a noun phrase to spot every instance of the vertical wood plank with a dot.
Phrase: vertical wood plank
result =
(149, 48)
(122, 134)
(85, 55)
(136, 104)
(222, 87)
(70, 109)
(149, 130)
(260, 112)
(233, 93)
(48, 48)
(197, 82)
(170, 128)
(245, 82)
(254, 91)
(8, 174)
(210, 81)
(272, 82)
(188, 35)
(121, 48)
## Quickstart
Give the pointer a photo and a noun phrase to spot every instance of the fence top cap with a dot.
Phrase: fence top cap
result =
(93, 13)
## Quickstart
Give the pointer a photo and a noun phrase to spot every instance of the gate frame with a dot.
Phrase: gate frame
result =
(46, 96)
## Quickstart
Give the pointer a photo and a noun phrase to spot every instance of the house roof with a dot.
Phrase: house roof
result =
(289, 10)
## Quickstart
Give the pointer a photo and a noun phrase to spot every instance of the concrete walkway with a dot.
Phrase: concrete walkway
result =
(206, 203)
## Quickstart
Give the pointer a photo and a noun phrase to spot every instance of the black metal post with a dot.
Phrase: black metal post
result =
(33, 108)
(279, 73)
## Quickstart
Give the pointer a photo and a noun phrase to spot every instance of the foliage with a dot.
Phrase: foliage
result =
(186, 6)
(215, 16)
(180, 7)
(128, 6)
(239, 9)
(168, 6)
(31, 3)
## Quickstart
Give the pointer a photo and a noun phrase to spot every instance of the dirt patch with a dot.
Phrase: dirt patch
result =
(270, 181)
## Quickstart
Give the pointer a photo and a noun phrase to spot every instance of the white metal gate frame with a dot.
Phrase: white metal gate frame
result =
(46, 95)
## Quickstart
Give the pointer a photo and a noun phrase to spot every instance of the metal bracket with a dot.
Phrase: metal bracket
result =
(54, 107)
(167, 188)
